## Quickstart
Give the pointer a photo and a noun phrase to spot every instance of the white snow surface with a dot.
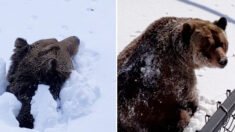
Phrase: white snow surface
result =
(44, 109)
(135, 15)
(10, 107)
(88, 98)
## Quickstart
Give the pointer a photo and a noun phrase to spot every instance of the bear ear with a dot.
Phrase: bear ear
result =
(52, 64)
(222, 23)
(20, 42)
(186, 32)
(71, 44)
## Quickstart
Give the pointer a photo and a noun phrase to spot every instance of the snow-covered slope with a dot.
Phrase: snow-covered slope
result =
(135, 15)
(88, 98)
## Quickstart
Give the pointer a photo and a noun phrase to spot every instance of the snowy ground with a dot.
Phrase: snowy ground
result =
(88, 98)
(135, 15)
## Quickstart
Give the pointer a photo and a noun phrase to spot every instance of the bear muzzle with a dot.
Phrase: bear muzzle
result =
(223, 62)
(221, 57)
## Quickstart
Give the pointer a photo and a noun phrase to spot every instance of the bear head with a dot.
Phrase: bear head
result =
(208, 41)
(43, 59)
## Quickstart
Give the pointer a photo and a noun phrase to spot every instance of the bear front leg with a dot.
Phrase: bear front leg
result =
(184, 118)
(24, 91)
(185, 113)
(24, 117)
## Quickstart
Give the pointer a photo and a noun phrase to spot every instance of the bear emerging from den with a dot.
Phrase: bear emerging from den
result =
(43, 62)
(156, 77)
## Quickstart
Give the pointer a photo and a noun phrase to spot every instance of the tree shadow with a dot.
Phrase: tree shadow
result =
(229, 19)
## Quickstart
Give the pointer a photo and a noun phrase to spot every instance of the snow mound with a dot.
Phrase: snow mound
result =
(44, 109)
(78, 93)
(76, 98)
(10, 107)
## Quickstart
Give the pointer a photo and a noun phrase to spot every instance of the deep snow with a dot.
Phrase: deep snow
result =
(88, 98)
(135, 15)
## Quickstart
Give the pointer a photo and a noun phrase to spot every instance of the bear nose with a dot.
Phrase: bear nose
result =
(75, 38)
(223, 62)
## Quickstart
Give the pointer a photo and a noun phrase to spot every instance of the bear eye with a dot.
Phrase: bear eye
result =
(52, 49)
(219, 45)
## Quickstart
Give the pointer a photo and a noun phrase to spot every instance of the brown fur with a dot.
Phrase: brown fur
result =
(43, 62)
(156, 78)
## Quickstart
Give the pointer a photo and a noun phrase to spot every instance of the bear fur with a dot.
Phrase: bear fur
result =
(156, 77)
(47, 62)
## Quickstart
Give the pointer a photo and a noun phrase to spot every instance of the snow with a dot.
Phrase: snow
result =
(135, 15)
(88, 98)
(10, 107)
(206, 107)
(44, 110)
(2, 76)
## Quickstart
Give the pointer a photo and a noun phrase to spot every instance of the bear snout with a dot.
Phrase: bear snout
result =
(71, 45)
(75, 38)
(223, 62)
(72, 39)
(221, 57)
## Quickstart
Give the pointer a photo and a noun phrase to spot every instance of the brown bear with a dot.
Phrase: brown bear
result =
(43, 62)
(156, 77)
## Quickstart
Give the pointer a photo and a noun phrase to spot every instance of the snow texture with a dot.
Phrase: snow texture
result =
(88, 98)
(135, 15)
